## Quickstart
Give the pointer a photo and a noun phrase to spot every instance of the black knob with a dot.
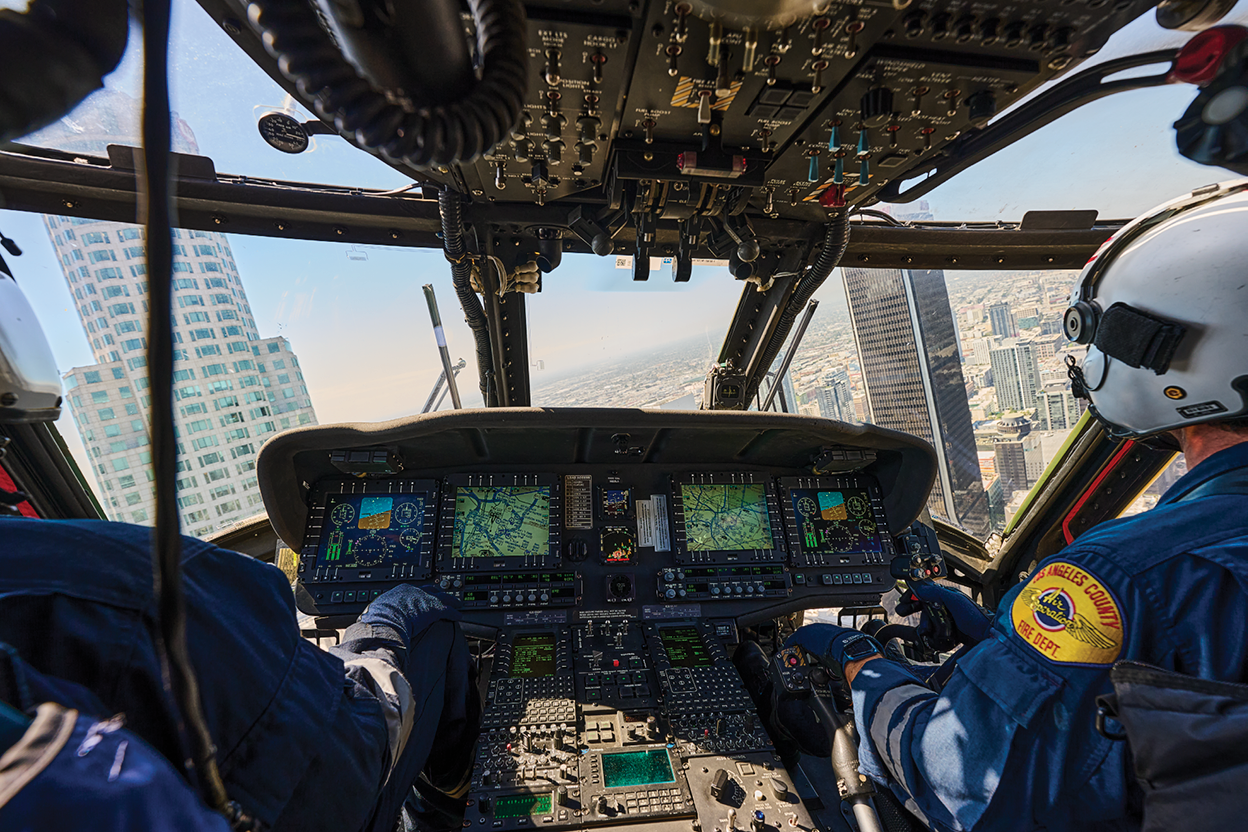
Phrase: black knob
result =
(561, 796)
(483, 804)
(982, 106)
(577, 549)
(876, 106)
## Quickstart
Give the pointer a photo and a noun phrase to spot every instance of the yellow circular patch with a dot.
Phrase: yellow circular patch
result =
(1174, 392)
(1068, 616)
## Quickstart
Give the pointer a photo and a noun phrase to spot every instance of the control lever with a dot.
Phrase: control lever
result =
(855, 789)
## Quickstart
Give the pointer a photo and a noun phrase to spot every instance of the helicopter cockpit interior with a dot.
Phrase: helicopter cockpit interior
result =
(610, 561)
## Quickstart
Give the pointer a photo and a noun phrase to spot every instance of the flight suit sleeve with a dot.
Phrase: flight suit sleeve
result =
(994, 732)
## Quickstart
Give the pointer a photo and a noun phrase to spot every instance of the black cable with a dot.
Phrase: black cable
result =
(835, 241)
(430, 135)
(156, 201)
(451, 209)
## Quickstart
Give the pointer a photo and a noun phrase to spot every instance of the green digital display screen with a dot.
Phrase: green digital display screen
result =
(637, 768)
(533, 657)
(685, 648)
(726, 518)
(521, 805)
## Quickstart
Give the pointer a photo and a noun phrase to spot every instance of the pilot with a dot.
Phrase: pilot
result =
(1010, 741)
(306, 739)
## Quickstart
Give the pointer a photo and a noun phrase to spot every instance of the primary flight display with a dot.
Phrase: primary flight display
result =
(835, 521)
(365, 530)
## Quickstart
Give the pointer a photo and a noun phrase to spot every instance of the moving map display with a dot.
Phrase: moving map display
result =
(637, 768)
(368, 530)
(501, 521)
(720, 518)
(533, 656)
(835, 521)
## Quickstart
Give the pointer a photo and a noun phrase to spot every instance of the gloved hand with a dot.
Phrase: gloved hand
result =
(969, 619)
(835, 644)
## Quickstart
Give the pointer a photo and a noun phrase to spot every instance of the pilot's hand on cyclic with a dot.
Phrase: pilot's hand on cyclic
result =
(835, 645)
(969, 619)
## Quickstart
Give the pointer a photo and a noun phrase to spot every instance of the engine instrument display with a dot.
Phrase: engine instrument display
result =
(362, 530)
(637, 768)
(685, 647)
(501, 521)
(533, 656)
(835, 522)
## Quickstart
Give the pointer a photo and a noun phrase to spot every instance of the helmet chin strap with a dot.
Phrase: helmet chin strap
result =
(1161, 441)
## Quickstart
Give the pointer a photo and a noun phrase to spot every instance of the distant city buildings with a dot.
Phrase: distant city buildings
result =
(1057, 408)
(233, 388)
(906, 340)
(836, 397)
(1015, 375)
(1001, 319)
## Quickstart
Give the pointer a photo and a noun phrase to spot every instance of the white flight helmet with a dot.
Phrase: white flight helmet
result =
(1163, 308)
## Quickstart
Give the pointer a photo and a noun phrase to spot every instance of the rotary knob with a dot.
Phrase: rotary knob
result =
(876, 106)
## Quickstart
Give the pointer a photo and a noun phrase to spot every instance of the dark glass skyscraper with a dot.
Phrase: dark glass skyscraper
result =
(904, 331)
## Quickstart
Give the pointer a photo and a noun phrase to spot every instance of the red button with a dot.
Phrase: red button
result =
(615, 662)
(792, 661)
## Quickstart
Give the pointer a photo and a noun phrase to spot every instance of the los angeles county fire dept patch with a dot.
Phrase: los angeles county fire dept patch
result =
(1069, 616)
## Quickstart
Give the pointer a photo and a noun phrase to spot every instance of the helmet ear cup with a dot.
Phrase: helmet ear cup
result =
(1080, 321)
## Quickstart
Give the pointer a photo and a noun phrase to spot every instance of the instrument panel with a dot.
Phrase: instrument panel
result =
(646, 543)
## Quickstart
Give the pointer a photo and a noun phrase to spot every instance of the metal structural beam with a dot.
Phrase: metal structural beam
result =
(50, 182)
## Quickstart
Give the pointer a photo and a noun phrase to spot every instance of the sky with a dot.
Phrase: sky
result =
(356, 317)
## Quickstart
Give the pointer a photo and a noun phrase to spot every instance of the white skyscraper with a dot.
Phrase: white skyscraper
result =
(233, 389)
(835, 397)
(1015, 375)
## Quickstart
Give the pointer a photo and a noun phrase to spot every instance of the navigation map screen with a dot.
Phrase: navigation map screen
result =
(835, 521)
(533, 656)
(723, 518)
(637, 768)
(685, 648)
(503, 521)
(367, 530)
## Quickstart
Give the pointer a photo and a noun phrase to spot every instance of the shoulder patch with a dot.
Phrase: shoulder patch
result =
(1068, 616)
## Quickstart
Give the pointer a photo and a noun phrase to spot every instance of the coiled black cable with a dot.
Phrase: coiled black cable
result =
(835, 241)
(428, 136)
(451, 209)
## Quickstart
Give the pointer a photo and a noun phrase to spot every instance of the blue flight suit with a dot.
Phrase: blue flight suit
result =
(1010, 742)
(307, 739)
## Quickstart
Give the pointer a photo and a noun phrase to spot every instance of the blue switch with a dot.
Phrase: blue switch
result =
(813, 174)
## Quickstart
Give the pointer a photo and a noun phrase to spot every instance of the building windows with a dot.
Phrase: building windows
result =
(235, 331)
(259, 412)
(190, 300)
(116, 292)
(246, 364)
(198, 425)
(196, 318)
(220, 386)
(284, 378)
(202, 335)
(130, 234)
(132, 409)
(243, 467)
(211, 266)
(185, 483)
(116, 447)
(278, 364)
(112, 430)
(133, 498)
(203, 442)
(275, 347)
(251, 381)
(218, 474)
(197, 407)
(231, 419)
(226, 401)
(288, 393)
(139, 271)
(91, 377)
(120, 464)
(99, 397)
(227, 315)
(126, 481)
(209, 349)
(180, 266)
(225, 508)
(135, 252)
(242, 450)
(235, 346)
(221, 491)
(139, 516)
(266, 427)
(214, 458)
(219, 300)
(236, 434)
(106, 413)
(124, 392)
(102, 255)
(95, 237)
(212, 370)
(205, 251)
(131, 344)
(136, 425)
(126, 326)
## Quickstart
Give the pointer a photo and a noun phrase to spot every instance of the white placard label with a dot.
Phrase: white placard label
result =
(652, 525)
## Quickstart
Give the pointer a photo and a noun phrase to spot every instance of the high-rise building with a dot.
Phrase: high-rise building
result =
(836, 397)
(1015, 375)
(907, 344)
(233, 389)
(1019, 463)
(1057, 408)
(1002, 320)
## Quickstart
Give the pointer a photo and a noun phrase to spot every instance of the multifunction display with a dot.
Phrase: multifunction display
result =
(533, 656)
(364, 530)
(685, 647)
(637, 768)
(726, 517)
(506, 521)
(521, 805)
